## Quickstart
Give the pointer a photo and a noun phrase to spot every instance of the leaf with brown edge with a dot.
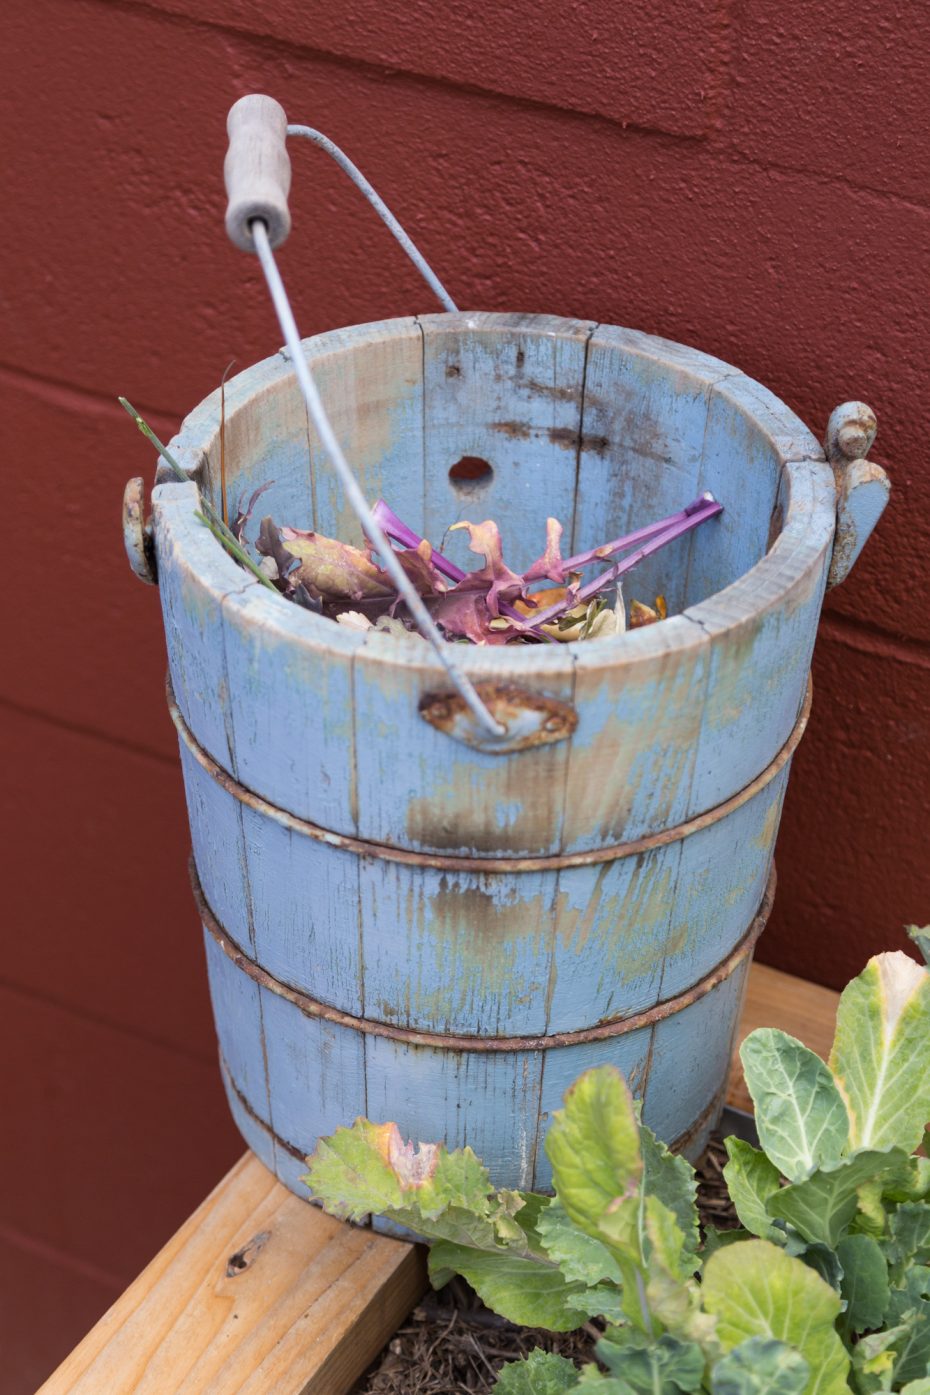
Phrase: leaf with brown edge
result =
(641, 614)
(337, 570)
(417, 562)
(369, 1168)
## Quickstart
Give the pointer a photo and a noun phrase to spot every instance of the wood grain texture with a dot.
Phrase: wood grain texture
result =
(314, 1303)
(506, 390)
(641, 446)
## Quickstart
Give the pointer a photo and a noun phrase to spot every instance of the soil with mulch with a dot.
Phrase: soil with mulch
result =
(453, 1345)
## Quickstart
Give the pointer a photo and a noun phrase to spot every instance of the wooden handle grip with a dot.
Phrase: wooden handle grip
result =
(257, 170)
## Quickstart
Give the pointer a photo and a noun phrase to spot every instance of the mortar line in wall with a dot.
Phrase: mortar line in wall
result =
(120, 743)
(74, 398)
(869, 638)
(206, 1058)
(62, 1259)
(734, 156)
(708, 139)
(370, 68)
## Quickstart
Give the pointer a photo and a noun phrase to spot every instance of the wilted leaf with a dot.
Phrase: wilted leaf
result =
(354, 620)
(823, 1205)
(386, 624)
(549, 565)
(337, 570)
(874, 1358)
(756, 1290)
(641, 614)
(593, 1145)
(495, 579)
(244, 511)
(462, 612)
(443, 1195)
(417, 562)
(597, 621)
(760, 1366)
(269, 544)
(751, 1179)
(800, 1113)
(540, 1373)
(881, 1053)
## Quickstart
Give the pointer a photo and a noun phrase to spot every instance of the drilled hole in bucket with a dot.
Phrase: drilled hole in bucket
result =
(470, 473)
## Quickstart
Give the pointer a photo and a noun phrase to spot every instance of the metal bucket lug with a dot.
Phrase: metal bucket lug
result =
(137, 533)
(862, 488)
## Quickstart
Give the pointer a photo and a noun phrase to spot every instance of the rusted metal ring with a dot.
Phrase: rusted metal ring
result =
(706, 1115)
(616, 1027)
(457, 862)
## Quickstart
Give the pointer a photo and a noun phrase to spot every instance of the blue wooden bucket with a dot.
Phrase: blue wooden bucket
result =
(400, 925)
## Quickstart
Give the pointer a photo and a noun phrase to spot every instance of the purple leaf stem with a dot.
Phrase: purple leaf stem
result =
(598, 554)
(709, 509)
(397, 531)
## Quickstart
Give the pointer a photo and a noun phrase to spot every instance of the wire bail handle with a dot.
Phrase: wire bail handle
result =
(257, 171)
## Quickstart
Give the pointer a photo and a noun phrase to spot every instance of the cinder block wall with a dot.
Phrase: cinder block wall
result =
(748, 176)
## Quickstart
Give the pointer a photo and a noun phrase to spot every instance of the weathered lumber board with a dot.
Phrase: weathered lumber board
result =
(317, 1301)
(258, 1294)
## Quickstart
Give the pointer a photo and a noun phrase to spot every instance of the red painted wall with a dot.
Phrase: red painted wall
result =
(749, 176)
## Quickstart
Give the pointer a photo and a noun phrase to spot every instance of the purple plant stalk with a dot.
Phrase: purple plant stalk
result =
(398, 531)
(599, 554)
(653, 537)
(709, 509)
(395, 529)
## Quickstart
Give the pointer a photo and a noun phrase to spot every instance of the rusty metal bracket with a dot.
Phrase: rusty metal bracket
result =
(528, 719)
(137, 533)
(862, 489)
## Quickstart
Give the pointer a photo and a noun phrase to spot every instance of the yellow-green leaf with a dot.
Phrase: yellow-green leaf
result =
(756, 1290)
(593, 1145)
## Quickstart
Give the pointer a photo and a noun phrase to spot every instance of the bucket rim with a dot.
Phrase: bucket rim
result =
(785, 575)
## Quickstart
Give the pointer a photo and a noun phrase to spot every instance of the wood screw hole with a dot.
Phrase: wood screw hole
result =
(241, 1259)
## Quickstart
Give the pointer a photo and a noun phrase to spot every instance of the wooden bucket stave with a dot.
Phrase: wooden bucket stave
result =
(356, 856)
